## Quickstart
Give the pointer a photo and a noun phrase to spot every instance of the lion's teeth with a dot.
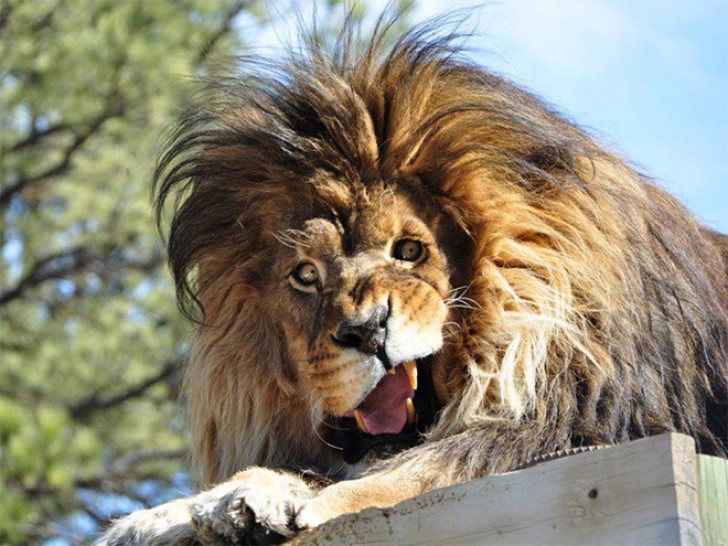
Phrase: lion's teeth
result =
(392, 371)
(411, 368)
(360, 421)
(410, 412)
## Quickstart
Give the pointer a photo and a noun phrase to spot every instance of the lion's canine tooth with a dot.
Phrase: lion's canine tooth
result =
(392, 371)
(410, 411)
(411, 368)
(360, 421)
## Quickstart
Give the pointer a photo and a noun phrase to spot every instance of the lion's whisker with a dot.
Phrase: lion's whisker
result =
(314, 411)
(472, 304)
(450, 329)
(462, 306)
(328, 424)
(292, 238)
(461, 290)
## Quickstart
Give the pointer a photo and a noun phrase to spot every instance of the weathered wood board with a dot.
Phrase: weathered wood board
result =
(713, 498)
(643, 492)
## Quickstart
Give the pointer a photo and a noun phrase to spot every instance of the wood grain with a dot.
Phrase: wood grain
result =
(713, 498)
(643, 492)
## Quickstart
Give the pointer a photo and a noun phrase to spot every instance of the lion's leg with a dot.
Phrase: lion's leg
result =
(165, 525)
(492, 448)
(256, 506)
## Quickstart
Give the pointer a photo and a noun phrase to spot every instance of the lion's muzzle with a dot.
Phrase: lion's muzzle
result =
(368, 337)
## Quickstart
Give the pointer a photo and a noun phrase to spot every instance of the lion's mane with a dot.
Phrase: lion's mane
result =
(597, 306)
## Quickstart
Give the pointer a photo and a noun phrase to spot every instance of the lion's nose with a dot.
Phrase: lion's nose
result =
(367, 337)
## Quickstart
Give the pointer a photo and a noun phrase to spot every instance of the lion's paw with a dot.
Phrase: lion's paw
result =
(221, 514)
(257, 506)
(165, 525)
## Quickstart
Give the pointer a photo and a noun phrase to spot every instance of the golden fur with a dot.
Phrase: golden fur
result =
(578, 303)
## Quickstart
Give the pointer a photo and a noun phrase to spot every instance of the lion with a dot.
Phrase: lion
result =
(406, 273)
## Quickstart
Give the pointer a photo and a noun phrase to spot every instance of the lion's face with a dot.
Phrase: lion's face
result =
(362, 299)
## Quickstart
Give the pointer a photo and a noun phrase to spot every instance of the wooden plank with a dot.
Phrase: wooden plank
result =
(713, 499)
(642, 492)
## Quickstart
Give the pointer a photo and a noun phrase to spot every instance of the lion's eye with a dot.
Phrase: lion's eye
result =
(306, 276)
(409, 250)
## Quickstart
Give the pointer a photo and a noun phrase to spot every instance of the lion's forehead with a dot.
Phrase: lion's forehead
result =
(369, 227)
(322, 234)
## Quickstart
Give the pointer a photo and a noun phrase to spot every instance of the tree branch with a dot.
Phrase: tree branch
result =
(48, 268)
(23, 182)
(36, 136)
(123, 467)
(223, 30)
(5, 12)
(127, 462)
(74, 261)
(83, 408)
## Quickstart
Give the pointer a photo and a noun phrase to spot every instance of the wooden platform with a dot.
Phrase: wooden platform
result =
(650, 491)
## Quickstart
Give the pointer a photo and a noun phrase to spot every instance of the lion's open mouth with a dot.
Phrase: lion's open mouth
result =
(390, 406)
(393, 416)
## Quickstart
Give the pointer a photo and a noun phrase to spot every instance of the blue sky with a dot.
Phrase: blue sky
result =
(648, 77)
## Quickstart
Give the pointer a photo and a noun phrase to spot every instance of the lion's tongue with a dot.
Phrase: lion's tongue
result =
(384, 410)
